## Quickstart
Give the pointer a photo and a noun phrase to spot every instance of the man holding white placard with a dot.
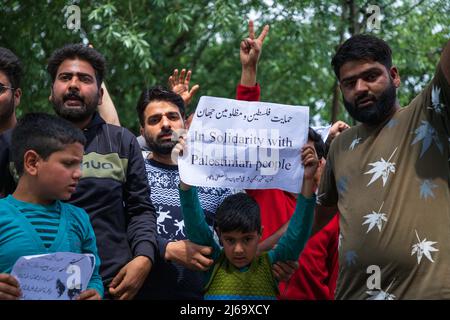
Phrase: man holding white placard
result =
(175, 274)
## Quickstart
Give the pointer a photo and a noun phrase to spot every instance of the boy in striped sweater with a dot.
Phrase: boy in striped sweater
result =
(47, 152)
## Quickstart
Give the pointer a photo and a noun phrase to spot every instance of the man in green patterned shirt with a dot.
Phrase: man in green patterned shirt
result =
(389, 178)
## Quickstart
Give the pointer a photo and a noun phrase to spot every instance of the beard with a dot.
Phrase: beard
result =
(6, 111)
(380, 109)
(75, 114)
(158, 146)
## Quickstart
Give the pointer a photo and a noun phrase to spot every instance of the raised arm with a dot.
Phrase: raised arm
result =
(445, 62)
(197, 230)
(107, 109)
(180, 85)
(294, 239)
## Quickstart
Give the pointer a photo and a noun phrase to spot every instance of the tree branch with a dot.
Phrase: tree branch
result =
(410, 9)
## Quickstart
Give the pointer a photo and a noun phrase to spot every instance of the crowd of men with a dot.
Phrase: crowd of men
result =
(382, 220)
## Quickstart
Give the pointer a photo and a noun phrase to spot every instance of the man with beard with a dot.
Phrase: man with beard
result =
(175, 273)
(10, 92)
(10, 95)
(113, 189)
(389, 177)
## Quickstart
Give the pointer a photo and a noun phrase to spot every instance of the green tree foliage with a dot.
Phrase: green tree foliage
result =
(144, 40)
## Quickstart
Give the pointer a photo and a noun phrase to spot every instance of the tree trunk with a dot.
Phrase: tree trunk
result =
(335, 103)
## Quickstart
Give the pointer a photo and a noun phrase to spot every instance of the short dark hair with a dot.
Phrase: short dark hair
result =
(238, 212)
(362, 47)
(319, 145)
(74, 51)
(10, 64)
(158, 93)
(43, 133)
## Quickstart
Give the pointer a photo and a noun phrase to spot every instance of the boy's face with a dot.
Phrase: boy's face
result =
(240, 247)
(58, 176)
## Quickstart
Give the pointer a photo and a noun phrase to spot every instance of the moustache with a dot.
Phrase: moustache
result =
(365, 98)
(72, 96)
(164, 133)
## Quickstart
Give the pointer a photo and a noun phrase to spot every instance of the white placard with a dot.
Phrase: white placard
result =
(55, 276)
(245, 145)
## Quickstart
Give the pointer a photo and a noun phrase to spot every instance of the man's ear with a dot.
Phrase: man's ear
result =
(393, 72)
(17, 95)
(50, 97)
(100, 95)
(31, 162)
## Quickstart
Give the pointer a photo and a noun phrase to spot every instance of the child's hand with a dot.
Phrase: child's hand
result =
(283, 270)
(178, 151)
(336, 130)
(9, 287)
(310, 161)
(89, 294)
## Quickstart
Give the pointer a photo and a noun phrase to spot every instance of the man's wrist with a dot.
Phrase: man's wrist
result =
(143, 259)
(168, 251)
(248, 76)
(251, 68)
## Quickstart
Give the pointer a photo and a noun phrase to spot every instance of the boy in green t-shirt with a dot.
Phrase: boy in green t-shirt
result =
(47, 152)
(239, 272)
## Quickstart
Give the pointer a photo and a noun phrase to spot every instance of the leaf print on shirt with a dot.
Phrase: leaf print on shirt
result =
(350, 258)
(375, 219)
(342, 184)
(422, 248)
(427, 134)
(382, 169)
(436, 105)
(354, 143)
(426, 189)
(380, 294)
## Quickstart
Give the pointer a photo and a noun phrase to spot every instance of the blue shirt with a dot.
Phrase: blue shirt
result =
(18, 237)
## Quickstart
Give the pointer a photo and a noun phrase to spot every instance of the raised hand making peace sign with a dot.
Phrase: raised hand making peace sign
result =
(251, 47)
(250, 50)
